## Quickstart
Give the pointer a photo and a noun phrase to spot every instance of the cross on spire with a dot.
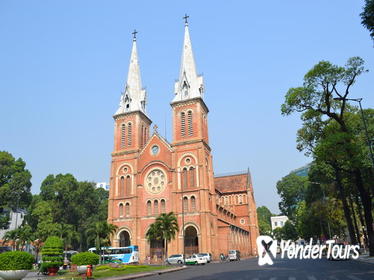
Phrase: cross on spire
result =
(186, 19)
(134, 34)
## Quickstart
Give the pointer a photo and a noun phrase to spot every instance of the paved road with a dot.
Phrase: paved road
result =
(281, 270)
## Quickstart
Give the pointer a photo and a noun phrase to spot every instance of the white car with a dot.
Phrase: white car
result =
(175, 259)
(208, 256)
(234, 255)
(195, 259)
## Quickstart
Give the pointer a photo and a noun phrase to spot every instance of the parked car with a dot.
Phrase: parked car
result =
(195, 259)
(234, 255)
(208, 256)
(175, 259)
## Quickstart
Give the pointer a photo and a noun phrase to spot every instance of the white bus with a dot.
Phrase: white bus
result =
(125, 255)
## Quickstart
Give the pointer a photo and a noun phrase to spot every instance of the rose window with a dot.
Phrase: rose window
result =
(155, 181)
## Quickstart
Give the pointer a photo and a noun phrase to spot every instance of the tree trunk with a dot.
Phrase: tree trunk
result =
(362, 221)
(347, 213)
(366, 203)
(166, 249)
(354, 218)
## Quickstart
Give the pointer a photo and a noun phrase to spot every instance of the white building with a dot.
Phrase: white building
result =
(103, 185)
(15, 221)
(278, 221)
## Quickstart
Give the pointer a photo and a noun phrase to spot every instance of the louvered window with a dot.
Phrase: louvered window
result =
(129, 134)
(123, 135)
(190, 127)
(183, 124)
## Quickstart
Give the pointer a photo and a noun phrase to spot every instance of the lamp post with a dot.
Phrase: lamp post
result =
(364, 122)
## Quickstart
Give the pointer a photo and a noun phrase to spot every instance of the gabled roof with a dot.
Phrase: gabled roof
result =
(162, 140)
(232, 182)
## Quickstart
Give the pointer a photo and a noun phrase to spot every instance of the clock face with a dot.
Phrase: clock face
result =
(155, 150)
(155, 181)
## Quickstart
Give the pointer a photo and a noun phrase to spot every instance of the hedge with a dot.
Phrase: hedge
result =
(52, 252)
(16, 260)
(85, 258)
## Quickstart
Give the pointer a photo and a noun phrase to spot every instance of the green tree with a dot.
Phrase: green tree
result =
(322, 100)
(164, 228)
(67, 208)
(288, 231)
(264, 223)
(367, 17)
(291, 190)
(15, 186)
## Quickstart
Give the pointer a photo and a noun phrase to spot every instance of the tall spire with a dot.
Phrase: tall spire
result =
(189, 85)
(133, 98)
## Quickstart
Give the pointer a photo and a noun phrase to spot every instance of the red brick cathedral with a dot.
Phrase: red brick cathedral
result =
(150, 175)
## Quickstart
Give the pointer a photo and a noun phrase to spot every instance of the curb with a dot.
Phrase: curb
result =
(146, 274)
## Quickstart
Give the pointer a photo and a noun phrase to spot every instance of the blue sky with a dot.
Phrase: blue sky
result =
(63, 65)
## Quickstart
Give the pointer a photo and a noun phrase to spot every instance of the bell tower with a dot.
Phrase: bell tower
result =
(194, 167)
(190, 113)
(131, 133)
(132, 124)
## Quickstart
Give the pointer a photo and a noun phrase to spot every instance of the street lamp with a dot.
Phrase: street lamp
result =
(364, 122)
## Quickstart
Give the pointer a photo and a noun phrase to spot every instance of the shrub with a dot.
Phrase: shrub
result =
(52, 252)
(85, 258)
(102, 267)
(16, 260)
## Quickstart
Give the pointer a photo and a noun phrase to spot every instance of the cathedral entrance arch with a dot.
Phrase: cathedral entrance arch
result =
(124, 239)
(191, 241)
(157, 249)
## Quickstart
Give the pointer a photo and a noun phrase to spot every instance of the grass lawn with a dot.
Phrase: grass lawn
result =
(104, 271)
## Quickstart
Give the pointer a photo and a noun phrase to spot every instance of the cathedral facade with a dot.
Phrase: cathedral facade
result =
(150, 176)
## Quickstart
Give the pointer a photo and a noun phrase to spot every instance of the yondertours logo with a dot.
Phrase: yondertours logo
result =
(267, 250)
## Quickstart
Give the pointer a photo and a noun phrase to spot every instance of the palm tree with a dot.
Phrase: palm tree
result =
(68, 234)
(100, 233)
(164, 228)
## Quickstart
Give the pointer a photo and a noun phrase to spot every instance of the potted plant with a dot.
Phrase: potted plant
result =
(52, 255)
(82, 260)
(15, 265)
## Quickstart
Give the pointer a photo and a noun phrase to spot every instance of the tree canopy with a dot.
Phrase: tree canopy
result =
(15, 186)
(367, 16)
(332, 133)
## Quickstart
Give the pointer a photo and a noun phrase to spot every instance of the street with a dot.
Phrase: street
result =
(282, 269)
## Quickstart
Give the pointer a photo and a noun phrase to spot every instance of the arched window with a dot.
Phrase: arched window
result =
(163, 206)
(120, 210)
(240, 199)
(129, 134)
(149, 208)
(122, 186)
(190, 127)
(193, 204)
(184, 178)
(183, 124)
(185, 204)
(192, 177)
(128, 185)
(127, 209)
(123, 135)
(155, 207)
